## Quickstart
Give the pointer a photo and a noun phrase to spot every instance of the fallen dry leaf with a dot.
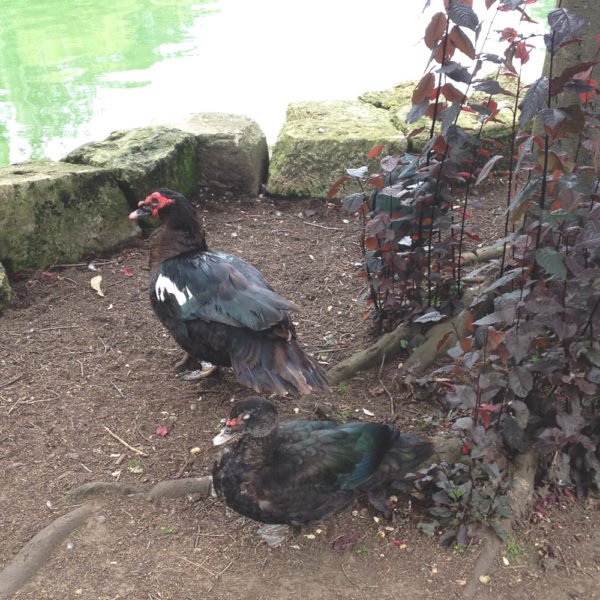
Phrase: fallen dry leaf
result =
(95, 283)
(345, 542)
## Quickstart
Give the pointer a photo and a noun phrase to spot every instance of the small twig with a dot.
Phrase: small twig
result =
(37, 330)
(392, 407)
(87, 264)
(323, 226)
(346, 575)
(13, 406)
(564, 561)
(26, 402)
(124, 442)
(198, 565)
(114, 283)
(225, 569)
(118, 389)
(13, 380)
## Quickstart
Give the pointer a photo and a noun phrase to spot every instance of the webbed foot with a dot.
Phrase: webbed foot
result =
(205, 370)
(273, 533)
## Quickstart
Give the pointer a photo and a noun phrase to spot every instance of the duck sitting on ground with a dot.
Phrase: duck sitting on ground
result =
(301, 472)
(219, 308)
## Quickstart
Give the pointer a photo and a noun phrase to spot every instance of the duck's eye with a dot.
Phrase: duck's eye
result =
(154, 202)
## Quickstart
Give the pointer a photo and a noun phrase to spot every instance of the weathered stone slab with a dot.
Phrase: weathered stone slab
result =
(56, 212)
(320, 140)
(398, 102)
(232, 150)
(144, 159)
(4, 288)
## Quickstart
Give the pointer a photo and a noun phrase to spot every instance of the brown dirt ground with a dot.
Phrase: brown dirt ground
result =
(86, 362)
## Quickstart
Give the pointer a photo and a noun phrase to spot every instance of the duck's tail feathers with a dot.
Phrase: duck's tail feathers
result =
(277, 365)
(406, 452)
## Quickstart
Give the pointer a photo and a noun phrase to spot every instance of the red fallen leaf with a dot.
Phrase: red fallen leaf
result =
(397, 542)
(48, 273)
(127, 272)
(162, 431)
(345, 542)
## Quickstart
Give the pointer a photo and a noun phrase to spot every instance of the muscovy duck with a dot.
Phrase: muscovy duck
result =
(301, 472)
(219, 308)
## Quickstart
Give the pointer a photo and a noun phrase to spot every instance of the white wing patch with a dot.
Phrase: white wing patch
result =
(165, 286)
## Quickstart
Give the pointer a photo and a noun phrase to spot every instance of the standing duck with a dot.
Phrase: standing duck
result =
(300, 472)
(219, 308)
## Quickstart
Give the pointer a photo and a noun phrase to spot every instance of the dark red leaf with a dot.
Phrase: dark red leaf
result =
(336, 187)
(435, 29)
(345, 542)
(485, 418)
(424, 88)
(376, 182)
(444, 339)
(469, 321)
(373, 152)
(416, 131)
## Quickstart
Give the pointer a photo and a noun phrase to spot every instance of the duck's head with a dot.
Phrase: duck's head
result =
(167, 205)
(252, 416)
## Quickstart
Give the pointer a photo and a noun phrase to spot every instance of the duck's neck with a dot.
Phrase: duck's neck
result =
(259, 450)
(169, 242)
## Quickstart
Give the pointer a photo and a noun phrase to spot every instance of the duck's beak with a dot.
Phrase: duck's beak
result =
(226, 435)
(141, 212)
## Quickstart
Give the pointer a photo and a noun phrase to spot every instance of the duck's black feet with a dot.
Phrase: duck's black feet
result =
(185, 362)
(273, 533)
(205, 370)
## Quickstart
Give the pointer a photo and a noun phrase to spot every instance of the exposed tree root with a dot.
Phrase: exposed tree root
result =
(390, 344)
(483, 255)
(39, 549)
(521, 493)
(387, 345)
(35, 552)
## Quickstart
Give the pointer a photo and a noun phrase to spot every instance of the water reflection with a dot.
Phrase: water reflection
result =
(54, 55)
(74, 71)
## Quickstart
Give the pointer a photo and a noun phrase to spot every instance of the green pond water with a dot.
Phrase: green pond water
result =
(73, 71)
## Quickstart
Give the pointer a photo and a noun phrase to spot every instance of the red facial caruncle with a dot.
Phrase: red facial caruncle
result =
(155, 201)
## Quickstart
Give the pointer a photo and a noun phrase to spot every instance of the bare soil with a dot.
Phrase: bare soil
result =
(75, 363)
